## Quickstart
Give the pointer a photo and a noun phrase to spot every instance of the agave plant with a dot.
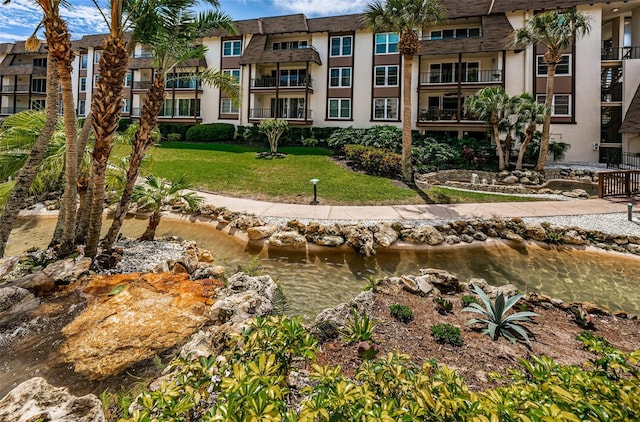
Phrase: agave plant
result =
(498, 323)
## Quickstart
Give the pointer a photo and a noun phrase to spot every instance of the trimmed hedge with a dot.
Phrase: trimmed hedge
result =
(181, 128)
(375, 161)
(211, 132)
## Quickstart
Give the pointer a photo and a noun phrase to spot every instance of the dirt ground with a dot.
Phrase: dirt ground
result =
(554, 330)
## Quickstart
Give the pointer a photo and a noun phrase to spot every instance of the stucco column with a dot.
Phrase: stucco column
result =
(617, 32)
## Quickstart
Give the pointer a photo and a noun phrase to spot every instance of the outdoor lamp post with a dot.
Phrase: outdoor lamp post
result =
(629, 211)
(315, 191)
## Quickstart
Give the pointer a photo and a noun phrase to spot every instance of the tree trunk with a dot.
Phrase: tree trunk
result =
(82, 217)
(407, 166)
(29, 171)
(106, 108)
(496, 134)
(523, 148)
(508, 141)
(546, 126)
(142, 141)
(150, 232)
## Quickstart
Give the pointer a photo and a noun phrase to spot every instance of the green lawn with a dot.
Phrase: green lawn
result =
(234, 170)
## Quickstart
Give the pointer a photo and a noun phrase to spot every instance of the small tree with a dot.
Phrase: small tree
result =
(530, 115)
(273, 130)
(156, 192)
(489, 105)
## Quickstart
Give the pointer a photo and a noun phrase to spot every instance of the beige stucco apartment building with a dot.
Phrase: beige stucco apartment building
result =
(333, 71)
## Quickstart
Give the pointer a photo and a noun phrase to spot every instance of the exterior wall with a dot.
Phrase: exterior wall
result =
(630, 141)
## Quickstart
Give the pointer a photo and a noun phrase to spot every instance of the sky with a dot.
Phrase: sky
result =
(19, 18)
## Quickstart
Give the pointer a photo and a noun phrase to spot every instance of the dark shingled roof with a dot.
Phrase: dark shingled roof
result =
(257, 53)
(344, 23)
(508, 6)
(18, 48)
(249, 26)
(21, 69)
(631, 122)
(5, 48)
(87, 41)
(461, 8)
(495, 30)
(284, 24)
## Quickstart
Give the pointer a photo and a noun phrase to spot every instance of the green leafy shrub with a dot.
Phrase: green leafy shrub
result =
(446, 334)
(374, 161)
(341, 137)
(468, 300)
(181, 128)
(401, 312)
(367, 350)
(443, 306)
(359, 328)
(385, 137)
(211, 132)
(310, 142)
(497, 322)
(174, 137)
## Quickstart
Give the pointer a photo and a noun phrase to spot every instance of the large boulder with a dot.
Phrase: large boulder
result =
(385, 236)
(7, 265)
(261, 232)
(493, 291)
(132, 317)
(360, 238)
(287, 238)
(423, 234)
(37, 400)
(15, 302)
(440, 279)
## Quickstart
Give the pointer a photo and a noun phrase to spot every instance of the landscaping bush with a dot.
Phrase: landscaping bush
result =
(181, 128)
(123, 124)
(468, 300)
(174, 137)
(323, 133)
(401, 312)
(375, 161)
(347, 136)
(211, 132)
(446, 334)
(295, 135)
(387, 137)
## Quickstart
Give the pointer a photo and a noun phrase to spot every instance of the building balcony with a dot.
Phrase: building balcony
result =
(269, 113)
(12, 110)
(270, 82)
(15, 89)
(494, 76)
(442, 115)
(620, 53)
(142, 84)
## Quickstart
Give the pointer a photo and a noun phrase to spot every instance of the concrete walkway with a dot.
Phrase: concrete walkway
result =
(422, 212)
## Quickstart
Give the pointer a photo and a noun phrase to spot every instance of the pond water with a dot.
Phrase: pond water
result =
(315, 280)
(568, 185)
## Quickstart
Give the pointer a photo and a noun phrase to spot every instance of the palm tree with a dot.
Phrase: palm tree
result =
(489, 105)
(155, 193)
(530, 114)
(171, 33)
(405, 17)
(16, 199)
(106, 108)
(557, 31)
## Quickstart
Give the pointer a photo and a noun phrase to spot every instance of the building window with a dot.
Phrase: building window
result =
(386, 75)
(95, 80)
(41, 62)
(340, 77)
(96, 57)
(234, 73)
(289, 45)
(83, 84)
(341, 46)
(293, 77)
(183, 80)
(82, 107)
(385, 109)
(231, 48)
(84, 59)
(387, 43)
(167, 108)
(227, 106)
(560, 106)
(39, 85)
(188, 107)
(562, 68)
(127, 79)
(444, 34)
(339, 108)
(126, 106)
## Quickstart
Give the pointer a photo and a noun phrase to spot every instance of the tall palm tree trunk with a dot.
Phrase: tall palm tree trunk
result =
(546, 126)
(59, 44)
(85, 206)
(142, 141)
(529, 132)
(496, 135)
(154, 221)
(407, 166)
(29, 171)
(106, 109)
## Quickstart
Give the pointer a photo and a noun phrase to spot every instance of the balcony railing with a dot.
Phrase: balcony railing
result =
(272, 82)
(14, 88)
(142, 84)
(12, 110)
(269, 113)
(620, 53)
(441, 114)
(469, 77)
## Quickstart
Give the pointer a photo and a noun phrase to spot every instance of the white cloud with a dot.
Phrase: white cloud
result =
(321, 7)
(24, 16)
